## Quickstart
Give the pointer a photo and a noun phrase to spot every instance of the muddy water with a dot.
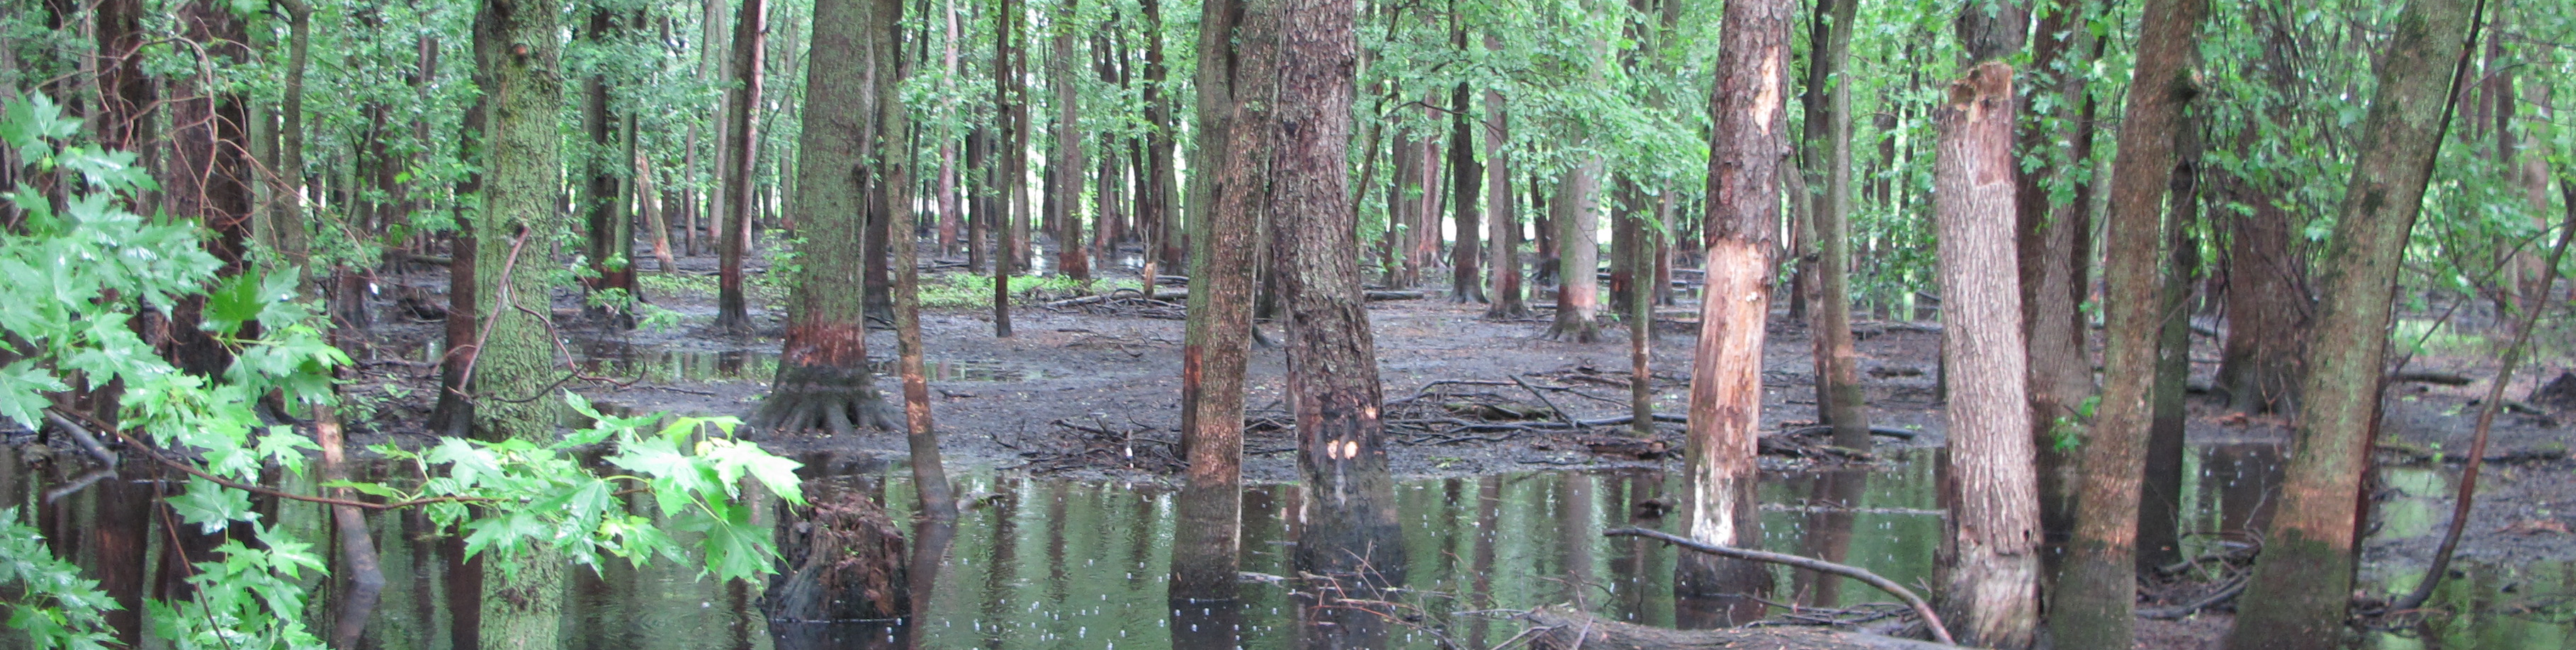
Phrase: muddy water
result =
(1065, 564)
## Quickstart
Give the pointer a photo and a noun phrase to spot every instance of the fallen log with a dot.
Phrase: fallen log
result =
(2224, 593)
(1557, 627)
(1921, 609)
(2430, 377)
(1892, 432)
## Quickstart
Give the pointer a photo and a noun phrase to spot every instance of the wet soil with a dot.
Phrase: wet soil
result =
(1091, 394)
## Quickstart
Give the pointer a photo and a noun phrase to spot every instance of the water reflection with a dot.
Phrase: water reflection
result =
(1046, 563)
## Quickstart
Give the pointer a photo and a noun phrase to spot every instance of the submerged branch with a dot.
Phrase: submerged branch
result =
(1930, 619)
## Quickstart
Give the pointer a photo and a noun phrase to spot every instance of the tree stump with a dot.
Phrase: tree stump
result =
(2559, 395)
(844, 560)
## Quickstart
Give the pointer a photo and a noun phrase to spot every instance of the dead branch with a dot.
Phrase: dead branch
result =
(1930, 619)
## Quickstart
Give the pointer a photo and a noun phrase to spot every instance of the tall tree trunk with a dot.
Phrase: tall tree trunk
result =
(1162, 177)
(1464, 178)
(1234, 152)
(1403, 208)
(1990, 559)
(2160, 492)
(608, 228)
(1065, 172)
(894, 163)
(742, 106)
(823, 380)
(1839, 399)
(1749, 119)
(207, 178)
(1010, 103)
(2097, 591)
(1578, 287)
(517, 64)
(2302, 584)
(1332, 357)
(2268, 304)
(951, 206)
(1501, 219)
(2053, 239)
(1641, 310)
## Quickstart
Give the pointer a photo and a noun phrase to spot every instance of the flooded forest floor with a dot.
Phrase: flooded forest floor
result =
(1090, 394)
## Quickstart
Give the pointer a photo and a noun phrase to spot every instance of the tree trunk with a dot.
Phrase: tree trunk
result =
(516, 52)
(1465, 283)
(1578, 292)
(608, 229)
(895, 162)
(2053, 239)
(1010, 103)
(1749, 120)
(653, 201)
(1578, 287)
(1641, 312)
(1234, 149)
(1990, 560)
(2302, 584)
(1402, 204)
(2160, 493)
(2268, 304)
(1160, 202)
(1332, 357)
(742, 106)
(1065, 172)
(1839, 398)
(1500, 218)
(823, 380)
(2097, 592)
(206, 178)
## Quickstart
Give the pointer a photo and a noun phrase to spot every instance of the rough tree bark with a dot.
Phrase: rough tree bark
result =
(1206, 543)
(1160, 204)
(895, 164)
(742, 109)
(2159, 541)
(1502, 219)
(1748, 110)
(1839, 400)
(2302, 584)
(823, 380)
(516, 51)
(2054, 241)
(2097, 587)
(1332, 357)
(1010, 104)
(1465, 283)
(1989, 561)
(1578, 222)
(1065, 188)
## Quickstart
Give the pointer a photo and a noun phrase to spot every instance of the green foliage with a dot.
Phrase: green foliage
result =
(54, 606)
(527, 497)
(73, 279)
(968, 291)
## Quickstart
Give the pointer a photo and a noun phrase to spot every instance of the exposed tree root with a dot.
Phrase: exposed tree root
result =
(833, 401)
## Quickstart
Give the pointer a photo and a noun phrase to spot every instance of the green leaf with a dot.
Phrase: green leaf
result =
(22, 391)
(370, 489)
(233, 302)
(212, 507)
